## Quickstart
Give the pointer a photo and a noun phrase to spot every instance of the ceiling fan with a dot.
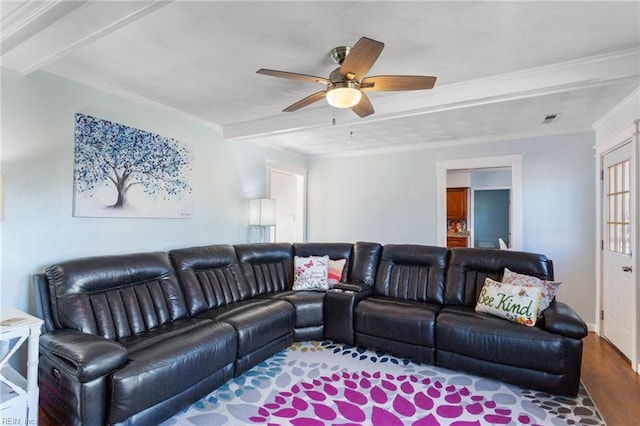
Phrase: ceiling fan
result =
(347, 84)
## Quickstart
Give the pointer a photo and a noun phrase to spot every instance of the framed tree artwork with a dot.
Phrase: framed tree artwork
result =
(121, 171)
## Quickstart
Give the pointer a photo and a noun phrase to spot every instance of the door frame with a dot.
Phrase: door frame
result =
(629, 134)
(513, 161)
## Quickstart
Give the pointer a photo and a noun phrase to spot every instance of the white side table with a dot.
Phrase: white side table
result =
(18, 396)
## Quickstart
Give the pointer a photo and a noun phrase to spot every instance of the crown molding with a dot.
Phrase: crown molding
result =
(629, 99)
(54, 38)
(31, 14)
(136, 98)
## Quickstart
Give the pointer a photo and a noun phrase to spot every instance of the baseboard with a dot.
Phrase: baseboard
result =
(591, 327)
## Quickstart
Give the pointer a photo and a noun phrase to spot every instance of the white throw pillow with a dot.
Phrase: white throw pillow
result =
(310, 273)
(513, 302)
(549, 288)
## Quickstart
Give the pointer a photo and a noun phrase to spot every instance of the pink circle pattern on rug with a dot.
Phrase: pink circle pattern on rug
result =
(382, 399)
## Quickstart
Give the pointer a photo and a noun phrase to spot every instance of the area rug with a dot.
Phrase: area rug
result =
(325, 383)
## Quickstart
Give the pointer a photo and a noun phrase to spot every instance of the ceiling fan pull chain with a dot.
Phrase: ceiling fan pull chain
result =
(334, 117)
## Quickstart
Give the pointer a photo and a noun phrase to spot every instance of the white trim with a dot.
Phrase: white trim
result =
(29, 13)
(64, 35)
(616, 109)
(615, 141)
(130, 96)
(599, 242)
(513, 161)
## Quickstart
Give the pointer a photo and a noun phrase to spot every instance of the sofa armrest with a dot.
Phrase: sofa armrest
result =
(355, 287)
(338, 310)
(83, 356)
(559, 318)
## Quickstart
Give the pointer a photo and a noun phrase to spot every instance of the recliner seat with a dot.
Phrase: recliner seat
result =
(482, 344)
(401, 314)
(123, 329)
(216, 288)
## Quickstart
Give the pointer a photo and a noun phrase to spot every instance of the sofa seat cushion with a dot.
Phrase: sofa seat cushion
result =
(256, 321)
(167, 361)
(401, 320)
(463, 331)
(309, 306)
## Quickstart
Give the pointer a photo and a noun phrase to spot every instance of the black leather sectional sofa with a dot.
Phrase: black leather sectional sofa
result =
(133, 339)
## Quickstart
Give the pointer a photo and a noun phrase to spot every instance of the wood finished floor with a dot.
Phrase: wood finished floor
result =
(607, 375)
(614, 387)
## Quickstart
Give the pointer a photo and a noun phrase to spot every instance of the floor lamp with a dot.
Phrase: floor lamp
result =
(262, 216)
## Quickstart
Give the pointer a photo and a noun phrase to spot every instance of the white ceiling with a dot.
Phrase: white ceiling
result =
(501, 66)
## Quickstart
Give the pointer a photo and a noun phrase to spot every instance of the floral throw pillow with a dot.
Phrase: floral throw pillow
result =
(335, 271)
(549, 288)
(513, 302)
(310, 273)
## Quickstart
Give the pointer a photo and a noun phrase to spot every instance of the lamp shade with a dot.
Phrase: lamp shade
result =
(262, 212)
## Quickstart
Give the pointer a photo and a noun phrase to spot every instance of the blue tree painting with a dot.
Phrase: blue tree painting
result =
(128, 172)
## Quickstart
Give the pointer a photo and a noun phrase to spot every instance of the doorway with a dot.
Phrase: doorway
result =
(618, 232)
(491, 213)
(288, 188)
(512, 162)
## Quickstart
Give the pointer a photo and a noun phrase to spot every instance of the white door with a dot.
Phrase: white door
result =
(618, 233)
(288, 191)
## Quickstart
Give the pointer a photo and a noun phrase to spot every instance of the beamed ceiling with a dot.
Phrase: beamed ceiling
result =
(501, 66)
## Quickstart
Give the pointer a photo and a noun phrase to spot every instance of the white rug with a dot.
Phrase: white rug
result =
(325, 383)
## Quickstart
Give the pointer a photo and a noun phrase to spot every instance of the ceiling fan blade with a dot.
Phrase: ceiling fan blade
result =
(364, 107)
(361, 58)
(293, 76)
(397, 82)
(306, 101)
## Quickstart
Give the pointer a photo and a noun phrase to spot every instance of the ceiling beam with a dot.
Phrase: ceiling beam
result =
(40, 34)
(599, 70)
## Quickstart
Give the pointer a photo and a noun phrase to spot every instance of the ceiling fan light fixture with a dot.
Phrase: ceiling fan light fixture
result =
(348, 85)
(344, 95)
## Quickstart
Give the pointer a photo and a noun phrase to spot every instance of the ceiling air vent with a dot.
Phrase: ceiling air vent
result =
(550, 118)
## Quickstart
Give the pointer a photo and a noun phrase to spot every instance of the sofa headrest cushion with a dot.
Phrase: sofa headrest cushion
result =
(102, 273)
(204, 258)
(264, 253)
(494, 261)
(333, 250)
(408, 254)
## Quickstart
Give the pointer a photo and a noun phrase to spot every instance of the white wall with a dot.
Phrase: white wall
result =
(391, 197)
(387, 198)
(458, 179)
(37, 164)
